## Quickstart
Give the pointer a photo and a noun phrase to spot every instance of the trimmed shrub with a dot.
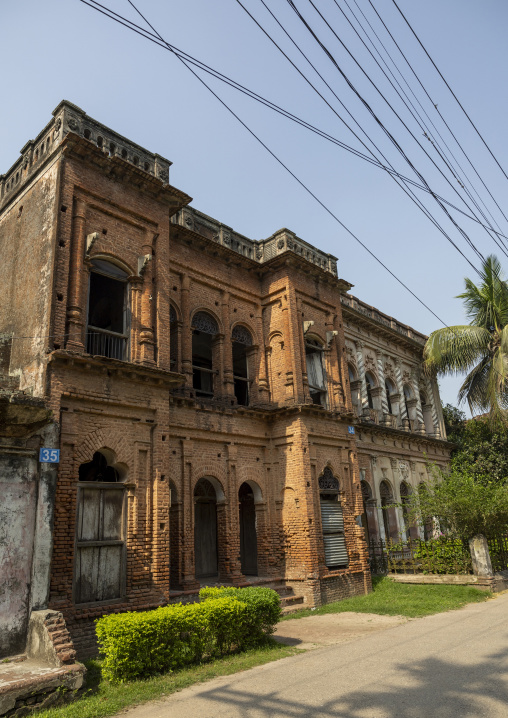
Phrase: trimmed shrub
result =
(263, 612)
(141, 644)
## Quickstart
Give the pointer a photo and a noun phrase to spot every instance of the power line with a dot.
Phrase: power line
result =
(411, 90)
(437, 110)
(294, 176)
(129, 24)
(297, 179)
(426, 131)
(407, 191)
(380, 123)
(452, 92)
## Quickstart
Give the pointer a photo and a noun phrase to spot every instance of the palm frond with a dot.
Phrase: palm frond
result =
(475, 388)
(487, 303)
(498, 387)
(455, 349)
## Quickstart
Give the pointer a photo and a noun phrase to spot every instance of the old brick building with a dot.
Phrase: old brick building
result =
(207, 386)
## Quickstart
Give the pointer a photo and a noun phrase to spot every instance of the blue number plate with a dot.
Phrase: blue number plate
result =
(49, 456)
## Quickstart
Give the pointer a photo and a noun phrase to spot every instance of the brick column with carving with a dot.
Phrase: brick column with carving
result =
(146, 335)
(187, 331)
(381, 376)
(364, 402)
(75, 306)
(228, 386)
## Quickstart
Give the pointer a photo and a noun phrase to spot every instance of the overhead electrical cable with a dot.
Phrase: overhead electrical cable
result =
(297, 179)
(438, 112)
(452, 92)
(401, 93)
(416, 98)
(380, 123)
(406, 190)
(271, 105)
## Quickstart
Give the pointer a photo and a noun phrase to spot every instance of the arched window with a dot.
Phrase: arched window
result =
(241, 341)
(316, 375)
(173, 339)
(332, 521)
(408, 395)
(107, 327)
(390, 389)
(371, 384)
(353, 385)
(427, 414)
(99, 569)
(204, 330)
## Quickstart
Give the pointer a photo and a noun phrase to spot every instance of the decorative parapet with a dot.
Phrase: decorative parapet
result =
(259, 250)
(70, 118)
(376, 316)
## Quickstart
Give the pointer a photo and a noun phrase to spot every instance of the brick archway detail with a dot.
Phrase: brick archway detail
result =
(105, 439)
(205, 471)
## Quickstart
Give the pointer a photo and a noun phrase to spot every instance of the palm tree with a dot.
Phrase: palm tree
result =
(479, 348)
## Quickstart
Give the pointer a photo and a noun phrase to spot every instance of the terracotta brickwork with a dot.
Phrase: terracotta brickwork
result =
(170, 475)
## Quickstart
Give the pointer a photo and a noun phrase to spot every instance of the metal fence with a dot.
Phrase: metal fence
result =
(498, 549)
(442, 555)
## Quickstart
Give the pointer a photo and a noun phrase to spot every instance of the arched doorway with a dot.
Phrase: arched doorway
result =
(366, 497)
(248, 533)
(174, 538)
(386, 496)
(405, 500)
(205, 529)
(101, 530)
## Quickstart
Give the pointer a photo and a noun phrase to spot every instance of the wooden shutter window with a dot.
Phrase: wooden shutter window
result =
(333, 533)
(100, 543)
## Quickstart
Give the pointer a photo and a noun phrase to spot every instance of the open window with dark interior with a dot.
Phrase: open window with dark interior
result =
(241, 342)
(107, 311)
(332, 521)
(316, 375)
(390, 389)
(204, 331)
(370, 384)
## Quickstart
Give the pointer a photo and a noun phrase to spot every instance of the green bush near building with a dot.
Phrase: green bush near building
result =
(141, 644)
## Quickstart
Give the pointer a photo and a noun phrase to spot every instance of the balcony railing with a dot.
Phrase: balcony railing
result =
(102, 342)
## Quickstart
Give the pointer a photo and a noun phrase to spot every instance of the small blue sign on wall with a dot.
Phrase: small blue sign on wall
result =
(351, 430)
(49, 456)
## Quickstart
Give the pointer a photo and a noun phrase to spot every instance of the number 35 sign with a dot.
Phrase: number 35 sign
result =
(49, 456)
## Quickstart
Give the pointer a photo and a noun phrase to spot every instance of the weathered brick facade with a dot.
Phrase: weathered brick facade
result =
(162, 406)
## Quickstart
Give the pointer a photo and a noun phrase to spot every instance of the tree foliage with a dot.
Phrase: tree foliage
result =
(480, 348)
(482, 447)
(460, 505)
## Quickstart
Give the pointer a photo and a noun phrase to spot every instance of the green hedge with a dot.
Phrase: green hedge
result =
(142, 644)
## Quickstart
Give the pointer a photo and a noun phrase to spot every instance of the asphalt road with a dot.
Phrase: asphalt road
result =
(450, 665)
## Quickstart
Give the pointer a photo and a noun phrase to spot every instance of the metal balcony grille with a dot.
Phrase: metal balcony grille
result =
(101, 342)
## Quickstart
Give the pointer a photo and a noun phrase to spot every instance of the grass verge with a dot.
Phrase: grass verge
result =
(401, 599)
(105, 699)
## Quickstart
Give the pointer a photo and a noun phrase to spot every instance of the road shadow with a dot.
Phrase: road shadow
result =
(287, 640)
(427, 688)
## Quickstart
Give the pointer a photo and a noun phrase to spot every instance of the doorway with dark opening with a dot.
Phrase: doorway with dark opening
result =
(205, 530)
(248, 532)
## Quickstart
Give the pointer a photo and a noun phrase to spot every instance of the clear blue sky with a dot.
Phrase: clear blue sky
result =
(54, 49)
